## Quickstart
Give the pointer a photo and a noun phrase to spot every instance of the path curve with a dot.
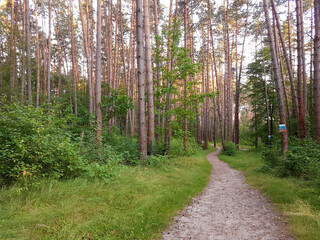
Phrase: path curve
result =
(228, 209)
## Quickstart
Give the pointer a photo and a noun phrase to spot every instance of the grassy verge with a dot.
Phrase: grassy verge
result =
(138, 205)
(298, 200)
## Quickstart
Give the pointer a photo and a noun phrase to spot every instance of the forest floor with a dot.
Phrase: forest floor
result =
(228, 209)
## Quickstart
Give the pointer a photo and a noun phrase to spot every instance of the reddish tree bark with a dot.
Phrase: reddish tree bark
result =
(149, 73)
(141, 84)
(98, 75)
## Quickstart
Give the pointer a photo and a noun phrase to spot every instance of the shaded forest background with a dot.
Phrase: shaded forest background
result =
(86, 89)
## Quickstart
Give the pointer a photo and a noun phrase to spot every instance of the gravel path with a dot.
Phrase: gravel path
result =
(228, 209)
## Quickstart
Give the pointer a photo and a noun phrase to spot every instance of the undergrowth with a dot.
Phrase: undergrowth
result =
(138, 204)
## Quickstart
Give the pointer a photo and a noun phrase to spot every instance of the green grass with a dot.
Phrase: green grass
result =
(137, 205)
(298, 200)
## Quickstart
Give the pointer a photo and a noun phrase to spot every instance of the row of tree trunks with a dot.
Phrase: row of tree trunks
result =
(219, 98)
(288, 64)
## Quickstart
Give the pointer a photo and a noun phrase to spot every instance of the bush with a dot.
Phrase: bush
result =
(32, 145)
(230, 149)
(271, 157)
(158, 148)
(177, 148)
(302, 160)
(127, 147)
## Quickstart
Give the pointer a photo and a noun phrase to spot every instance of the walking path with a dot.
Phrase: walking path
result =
(228, 209)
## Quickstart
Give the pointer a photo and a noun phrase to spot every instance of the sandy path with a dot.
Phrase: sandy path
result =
(227, 209)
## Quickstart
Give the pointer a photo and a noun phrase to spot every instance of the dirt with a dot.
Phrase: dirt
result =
(228, 209)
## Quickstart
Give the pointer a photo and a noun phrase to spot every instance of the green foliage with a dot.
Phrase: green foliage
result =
(302, 159)
(230, 149)
(157, 161)
(33, 145)
(176, 97)
(117, 104)
(102, 162)
(270, 157)
(158, 148)
(260, 82)
(177, 148)
(126, 147)
(140, 204)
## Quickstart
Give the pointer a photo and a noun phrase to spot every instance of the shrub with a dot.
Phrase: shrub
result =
(158, 148)
(177, 148)
(302, 160)
(271, 157)
(32, 145)
(127, 147)
(230, 149)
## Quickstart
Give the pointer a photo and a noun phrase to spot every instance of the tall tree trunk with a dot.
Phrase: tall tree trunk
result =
(289, 34)
(23, 55)
(289, 65)
(303, 61)
(207, 104)
(132, 69)
(110, 58)
(301, 117)
(74, 62)
(116, 61)
(219, 100)
(28, 38)
(311, 112)
(12, 52)
(228, 73)
(85, 37)
(214, 106)
(141, 84)
(276, 71)
(316, 80)
(238, 81)
(185, 121)
(98, 74)
(149, 74)
(49, 59)
(124, 76)
(279, 57)
(37, 57)
(89, 36)
(44, 53)
(266, 96)
(156, 31)
(167, 134)
(59, 63)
